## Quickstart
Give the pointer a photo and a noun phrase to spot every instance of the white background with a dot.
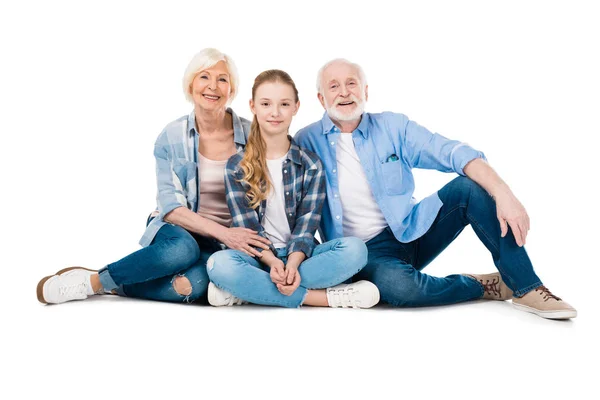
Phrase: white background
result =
(85, 90)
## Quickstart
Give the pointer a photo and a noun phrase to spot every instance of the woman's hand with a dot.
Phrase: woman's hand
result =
(243, 239)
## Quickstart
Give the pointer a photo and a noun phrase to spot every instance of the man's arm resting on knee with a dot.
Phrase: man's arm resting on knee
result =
(509, 210)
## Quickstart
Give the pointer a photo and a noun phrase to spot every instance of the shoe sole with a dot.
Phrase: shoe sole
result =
(213, 301)
(62, 271)
(376, 297)
(40, 289)
(564, 314)
(211, 295)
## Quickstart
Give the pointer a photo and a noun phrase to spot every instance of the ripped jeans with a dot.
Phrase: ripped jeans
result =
(150, 273)
(246, 277)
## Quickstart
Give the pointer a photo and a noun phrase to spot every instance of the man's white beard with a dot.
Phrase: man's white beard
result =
(334, 113)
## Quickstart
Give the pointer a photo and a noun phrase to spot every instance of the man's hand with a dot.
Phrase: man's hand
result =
(510, 212)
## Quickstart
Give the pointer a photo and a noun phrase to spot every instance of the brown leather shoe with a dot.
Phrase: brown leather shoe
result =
(493, 286)
(543, 303)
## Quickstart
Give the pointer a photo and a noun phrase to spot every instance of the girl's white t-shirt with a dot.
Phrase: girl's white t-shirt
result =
(275, 221)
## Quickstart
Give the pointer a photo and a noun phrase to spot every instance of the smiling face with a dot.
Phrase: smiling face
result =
(211, 87)
(274, 105)
(342, 93)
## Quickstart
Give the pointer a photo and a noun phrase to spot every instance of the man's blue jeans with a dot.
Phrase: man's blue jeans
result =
(395, 267)
(149, 272)
(246, 277)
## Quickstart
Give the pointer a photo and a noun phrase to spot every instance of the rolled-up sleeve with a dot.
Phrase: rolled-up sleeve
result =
(428, 150)
(308, 215)
(170, 193)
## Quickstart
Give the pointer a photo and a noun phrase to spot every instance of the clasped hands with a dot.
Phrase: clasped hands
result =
(285, 276)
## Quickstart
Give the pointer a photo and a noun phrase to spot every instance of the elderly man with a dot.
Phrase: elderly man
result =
(368, 160)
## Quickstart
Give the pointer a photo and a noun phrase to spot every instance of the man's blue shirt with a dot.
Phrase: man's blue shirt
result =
(389, 146)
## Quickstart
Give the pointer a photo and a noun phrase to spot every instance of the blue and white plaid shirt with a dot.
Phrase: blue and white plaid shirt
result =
(176, 153)
(304, 187)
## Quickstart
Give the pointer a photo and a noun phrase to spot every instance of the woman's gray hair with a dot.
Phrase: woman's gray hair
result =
(361, 74)
(206, 58)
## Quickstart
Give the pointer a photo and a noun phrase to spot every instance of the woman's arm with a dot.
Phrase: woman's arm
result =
(193, 222)
(173, 207)
(172, 202)
(242, 215)
(171, 194)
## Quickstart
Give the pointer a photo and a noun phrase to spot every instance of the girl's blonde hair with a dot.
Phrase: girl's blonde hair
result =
(254, 162)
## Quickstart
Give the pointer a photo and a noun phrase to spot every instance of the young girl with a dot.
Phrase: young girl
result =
(278, 190)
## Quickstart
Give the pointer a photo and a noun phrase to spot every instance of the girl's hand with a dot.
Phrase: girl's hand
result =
(277, 271)
(291, 282)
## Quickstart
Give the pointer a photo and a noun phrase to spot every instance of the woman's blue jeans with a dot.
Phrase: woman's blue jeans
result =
(247, 278)
(149, 273)
(395, 267)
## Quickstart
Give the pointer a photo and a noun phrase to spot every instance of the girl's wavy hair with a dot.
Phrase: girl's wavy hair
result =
(254, 162)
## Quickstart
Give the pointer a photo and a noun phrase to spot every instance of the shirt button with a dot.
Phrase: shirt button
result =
(335, 195)
(334, 171)
(337, 217)
(332, 143)
(285, 171)
(287, 193)
(290, 214)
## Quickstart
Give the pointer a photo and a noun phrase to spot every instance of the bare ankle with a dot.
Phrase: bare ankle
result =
(96, 285)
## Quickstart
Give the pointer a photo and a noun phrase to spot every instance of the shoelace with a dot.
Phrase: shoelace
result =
(73, 290)
(547, 293)
(344, 298)
(491, 287)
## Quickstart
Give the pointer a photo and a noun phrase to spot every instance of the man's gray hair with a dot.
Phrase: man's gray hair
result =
(361, 74)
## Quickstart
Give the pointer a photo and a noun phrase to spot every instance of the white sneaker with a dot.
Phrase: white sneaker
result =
(76, 270)
(56, 289)
(83, 272)
(361, 294)
(219, 297)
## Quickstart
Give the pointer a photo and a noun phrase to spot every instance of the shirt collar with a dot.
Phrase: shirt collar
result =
(329, 126)
(294, 154)
(363, 127)
(239, 136)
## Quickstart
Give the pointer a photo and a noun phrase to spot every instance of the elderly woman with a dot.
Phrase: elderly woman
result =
(192, 219)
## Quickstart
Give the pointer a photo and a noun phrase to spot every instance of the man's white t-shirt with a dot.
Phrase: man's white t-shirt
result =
(362, 217)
